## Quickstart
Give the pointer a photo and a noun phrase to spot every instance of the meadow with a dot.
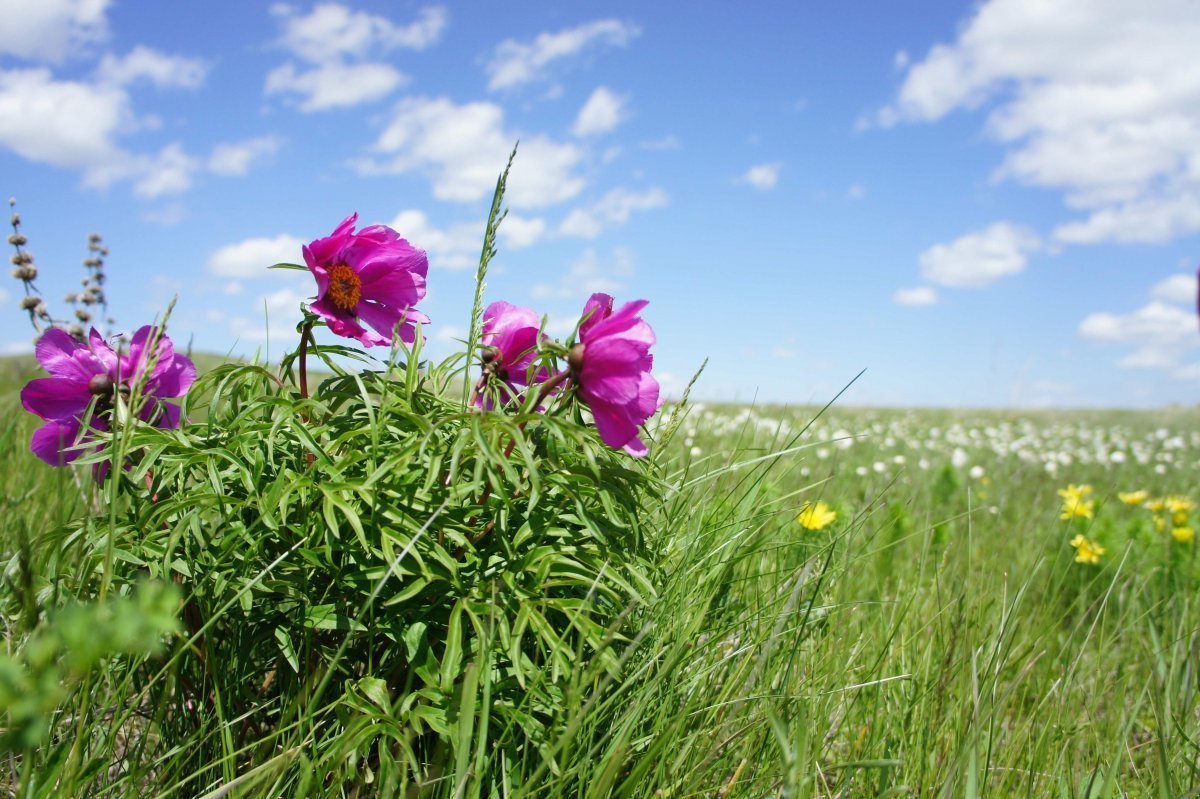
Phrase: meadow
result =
(353, 576)
(937, 637)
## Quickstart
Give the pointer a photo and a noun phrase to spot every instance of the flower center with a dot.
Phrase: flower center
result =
(345, 287)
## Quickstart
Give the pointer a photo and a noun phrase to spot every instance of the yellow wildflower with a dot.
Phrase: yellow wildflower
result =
(1076, 503)
(1086, 550)
(1133, 497)
(1160, 524)
(1156, 505)
(1176, 504)
(816, 517)
(1183, 535)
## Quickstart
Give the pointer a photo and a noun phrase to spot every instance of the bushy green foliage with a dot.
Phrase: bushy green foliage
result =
(372, 552)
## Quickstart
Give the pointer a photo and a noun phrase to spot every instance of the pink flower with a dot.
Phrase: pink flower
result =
(372, 276)
(82, 373)
(611, 366)
(511, 335)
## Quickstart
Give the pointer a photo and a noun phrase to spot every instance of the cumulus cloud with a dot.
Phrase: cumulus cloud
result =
(159, 69)
(341, 47)
(921, 295)
(233, 159)
(1090, 99)
(614, 208)
(1176, 288)
(463, 148)
(588, 275)
(333, 84)
(40, 120)
(51, 30)
(763, 177)
(979, 259)
(514, 63)
(1162, 335)
(332, 30)
(250, 258)
(602, 113)
(457, 246)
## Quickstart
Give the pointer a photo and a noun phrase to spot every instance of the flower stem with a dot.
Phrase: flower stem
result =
(305, 333)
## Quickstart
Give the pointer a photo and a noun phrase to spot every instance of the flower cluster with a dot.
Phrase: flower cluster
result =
(1077, 502)
(608, 365)
(368, 285)
(90, 379)
(1086, 550)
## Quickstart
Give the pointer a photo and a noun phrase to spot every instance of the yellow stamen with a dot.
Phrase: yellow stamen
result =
(345, 287)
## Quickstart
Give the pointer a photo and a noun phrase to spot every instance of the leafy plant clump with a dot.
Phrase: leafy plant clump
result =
(389, 575)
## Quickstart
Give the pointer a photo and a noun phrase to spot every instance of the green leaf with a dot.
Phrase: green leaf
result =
(323, 617)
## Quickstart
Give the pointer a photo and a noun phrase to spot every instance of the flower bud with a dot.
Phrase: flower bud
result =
(19, 258)
(575, 358)
(30, 302)
(17, 239)
(83, 316)
(101, 385)
(93, 238)
(76, 331)
(15, 220)
(72, 297)
(26, 273)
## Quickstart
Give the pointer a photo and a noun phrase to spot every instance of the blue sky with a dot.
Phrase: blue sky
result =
(994, 205)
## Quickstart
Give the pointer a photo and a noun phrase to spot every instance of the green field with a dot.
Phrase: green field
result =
(936, 638)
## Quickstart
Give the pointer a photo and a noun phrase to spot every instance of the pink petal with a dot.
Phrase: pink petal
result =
(51, 442)
(392, 283)
(616, 429)
(63, 356)
(595, 310)
(56, 399)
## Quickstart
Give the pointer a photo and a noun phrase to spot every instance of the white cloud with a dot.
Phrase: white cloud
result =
(463, 148)
(457, 246)
(1163, 336)
(1155, 323)
(236, 158)
(856, 191)
(588, 275)
(1099, 100)
(519, 232)
(515, 63)
(602, 113)
(341, 45)
(921, 295)
(763, 177)
(272, 317)
(40, 119)
(160, 69)
(51, 30)
(251, 257)
(979, 259)
(333, 84)
(454, 247)
(614, 208)
(332, 30)
(1177, 289)
(170, 172)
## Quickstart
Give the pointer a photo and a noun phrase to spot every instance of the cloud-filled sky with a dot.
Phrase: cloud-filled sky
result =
(991, 205)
